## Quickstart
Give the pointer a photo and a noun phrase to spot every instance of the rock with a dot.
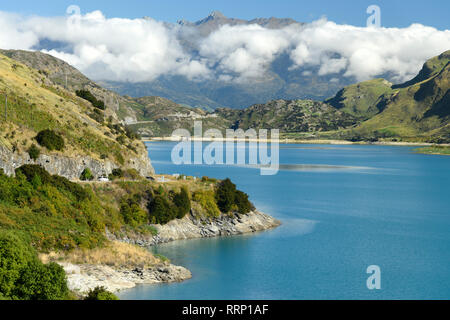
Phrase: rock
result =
(191, 228)
(70, 167)
(82, 278)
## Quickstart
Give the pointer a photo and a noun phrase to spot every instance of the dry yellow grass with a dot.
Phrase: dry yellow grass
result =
(115, 254)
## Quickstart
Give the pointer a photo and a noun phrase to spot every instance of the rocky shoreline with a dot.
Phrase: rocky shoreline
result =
(193, 227)
(82, 278)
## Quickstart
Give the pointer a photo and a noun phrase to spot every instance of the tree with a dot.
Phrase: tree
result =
(34, 152)
(132, 212)
(182, 202)
(42, 282)
(161, 210)
(15, 254)
(225, 195)
(242, 202)
(50, 140)
(87, 175)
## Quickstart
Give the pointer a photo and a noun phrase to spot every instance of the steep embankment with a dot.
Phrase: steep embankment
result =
(193, 226)
(91, 137)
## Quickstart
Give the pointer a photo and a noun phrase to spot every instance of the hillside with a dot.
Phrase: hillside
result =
(92, 138)
(56, 72)
(416, 111)
(289, 116)
(362, 99)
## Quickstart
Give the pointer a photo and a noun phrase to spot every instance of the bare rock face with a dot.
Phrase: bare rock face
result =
(191, 227)
(83, 278)
(70, 168)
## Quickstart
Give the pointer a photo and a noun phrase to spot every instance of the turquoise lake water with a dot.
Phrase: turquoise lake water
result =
(343, 208)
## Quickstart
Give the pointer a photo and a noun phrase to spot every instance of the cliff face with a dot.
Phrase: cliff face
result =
(191, 227)
(69, 167)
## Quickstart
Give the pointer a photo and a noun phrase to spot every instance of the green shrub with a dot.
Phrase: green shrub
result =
(116, 174)
(132, 135)
(87, 95)
(182, 202)
(42, 282)
(87, 175)
(225, 195)
(161, 211)
(100, 293)
(228, 198)
(30, 171)
(207, 202)
(131, 174)
(132, 212)
(50, 140)
(241, 201)
(15, 254)
(34, 152)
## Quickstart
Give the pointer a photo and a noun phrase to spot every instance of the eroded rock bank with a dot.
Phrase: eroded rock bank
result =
(71, 167)
(85, 277)
(192, 227)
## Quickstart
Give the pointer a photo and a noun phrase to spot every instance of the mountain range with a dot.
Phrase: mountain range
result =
(279, 82)
(417, 110)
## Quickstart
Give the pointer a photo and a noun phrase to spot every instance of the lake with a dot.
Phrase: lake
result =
(343, 208)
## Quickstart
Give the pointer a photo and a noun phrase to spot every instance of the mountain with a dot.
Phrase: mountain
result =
(367, 111)
(279, 82)
(216, 19)
(418, 110)
(46, 124)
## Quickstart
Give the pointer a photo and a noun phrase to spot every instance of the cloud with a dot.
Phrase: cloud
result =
(138, 50)
(367, 52)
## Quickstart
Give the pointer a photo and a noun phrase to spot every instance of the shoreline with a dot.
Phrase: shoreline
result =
(83, 277)
(193, 227)
(295, 141)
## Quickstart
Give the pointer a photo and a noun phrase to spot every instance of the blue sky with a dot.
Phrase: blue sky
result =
(395, 13)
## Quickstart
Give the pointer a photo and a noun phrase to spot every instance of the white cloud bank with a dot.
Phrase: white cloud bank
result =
(144, 49)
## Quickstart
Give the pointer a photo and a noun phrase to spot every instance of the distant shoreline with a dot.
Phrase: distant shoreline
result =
(295, 141)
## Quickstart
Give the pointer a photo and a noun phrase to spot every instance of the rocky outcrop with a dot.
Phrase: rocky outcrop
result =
(191, 227)
(82, 278)
(70, 168)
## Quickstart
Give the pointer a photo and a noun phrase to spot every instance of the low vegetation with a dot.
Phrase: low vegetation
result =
(100, 293)
(87, 95)
(228, 198)
(23, 275)
(50, 140)
(443, 150)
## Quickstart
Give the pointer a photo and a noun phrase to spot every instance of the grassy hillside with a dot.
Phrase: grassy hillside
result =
(35, 104)
(362, 99)
(417, 112)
